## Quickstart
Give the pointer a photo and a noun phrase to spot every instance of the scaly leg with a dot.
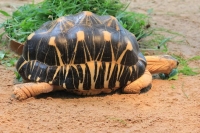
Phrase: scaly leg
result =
(26, 90)
(142, 82)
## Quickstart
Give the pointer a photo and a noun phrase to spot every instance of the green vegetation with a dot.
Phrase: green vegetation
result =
(8, 59)
(173, 87)
(194, 58)
(184, 68)
(182, 89)
(121, 121)
(156, 42)
(30, 17)
(18, 76)
(159, 39)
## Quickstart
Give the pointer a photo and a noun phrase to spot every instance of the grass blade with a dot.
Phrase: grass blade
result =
(5, 13)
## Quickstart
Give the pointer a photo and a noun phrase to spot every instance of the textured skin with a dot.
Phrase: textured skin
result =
(82, 52)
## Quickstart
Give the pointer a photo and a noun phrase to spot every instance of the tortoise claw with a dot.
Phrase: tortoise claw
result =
(146, 89)
(19, 94)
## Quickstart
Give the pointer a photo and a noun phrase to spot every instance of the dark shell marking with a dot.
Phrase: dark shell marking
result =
(83, 51)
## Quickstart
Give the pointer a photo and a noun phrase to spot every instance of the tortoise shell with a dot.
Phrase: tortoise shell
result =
(83, 51)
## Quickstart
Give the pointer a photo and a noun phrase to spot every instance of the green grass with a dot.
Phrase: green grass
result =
(18, 76)
(183, 91)
(159, 39)
(7, 58)
(156, 42)
(173, 87)
(194, 58)
(118, 120)
(30, 17)
(184, 68)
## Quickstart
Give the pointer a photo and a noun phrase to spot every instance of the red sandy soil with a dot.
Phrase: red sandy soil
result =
(169, 107)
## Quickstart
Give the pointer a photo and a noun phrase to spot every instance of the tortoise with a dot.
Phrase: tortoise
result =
(86, 54)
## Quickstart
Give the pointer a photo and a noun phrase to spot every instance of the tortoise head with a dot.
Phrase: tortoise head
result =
(174, 61)
(161, 64)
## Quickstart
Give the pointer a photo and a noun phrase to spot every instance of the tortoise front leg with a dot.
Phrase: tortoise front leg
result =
(26, 90)
(139, 84)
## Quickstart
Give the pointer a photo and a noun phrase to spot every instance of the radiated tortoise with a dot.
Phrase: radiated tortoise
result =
(85, 54)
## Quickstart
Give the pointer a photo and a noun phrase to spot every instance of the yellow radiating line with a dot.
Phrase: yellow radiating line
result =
(85, 47)
(105, 75)
(46, 56)
(33, 66)
(87, 19)
(74, 53)
(75, 67)
(47, 72)
(111, 70)
(135, 67)
(83, 66)
(28, 54)
(38, 78)
(128, 47)
(118, 71)
(61, 28)
(106, 20)
(99, 64)
(30, 36)
(67, 70)
(122, 70)
(55, 74)
(63, 69)
(119, 60)
(141, 59)
(70, 23)
(80, 37)
(91, 69)
(96, 19)
(117, 84)
(22, 64)
(109, 22)
(38, 47)
(59, 56)
(52, 26)
(73, 76)
(82, 18)
(37, 70)
(106, 81)
(56, 62)
(104, 45)
(112, 51)
(131, 69)
(52, 43)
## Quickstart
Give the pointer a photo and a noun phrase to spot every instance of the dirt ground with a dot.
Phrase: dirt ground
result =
(169, 107)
